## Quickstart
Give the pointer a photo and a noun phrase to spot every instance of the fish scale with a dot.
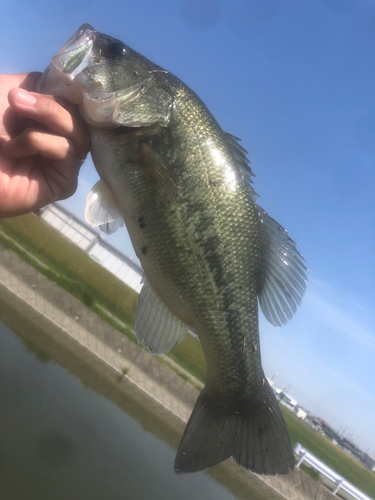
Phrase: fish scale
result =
(183, 187)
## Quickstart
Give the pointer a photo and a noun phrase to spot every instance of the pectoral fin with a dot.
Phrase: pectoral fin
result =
(157, 170)
(155, 324)
(101, 209)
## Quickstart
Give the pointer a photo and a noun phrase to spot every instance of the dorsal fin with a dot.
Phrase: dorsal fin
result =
(284, 272)
(239, 155)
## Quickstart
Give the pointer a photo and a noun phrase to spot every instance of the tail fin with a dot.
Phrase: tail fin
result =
(256, 437)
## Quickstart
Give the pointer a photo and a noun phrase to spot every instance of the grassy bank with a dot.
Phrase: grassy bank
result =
(73, 270)
(330, 454)
(98, 289)
(70, 267)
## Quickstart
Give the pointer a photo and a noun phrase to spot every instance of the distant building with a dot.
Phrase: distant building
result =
(344, 443)
(368, 461)
(302, 414)
(327, 430)
(323, 427)
(287, 400)
(352, 448)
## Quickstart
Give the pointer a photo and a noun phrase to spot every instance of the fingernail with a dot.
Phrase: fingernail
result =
(25, 98)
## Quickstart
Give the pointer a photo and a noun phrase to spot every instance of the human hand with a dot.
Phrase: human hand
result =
(43, 143)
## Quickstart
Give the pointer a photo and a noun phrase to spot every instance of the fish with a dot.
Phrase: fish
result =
(183, 187)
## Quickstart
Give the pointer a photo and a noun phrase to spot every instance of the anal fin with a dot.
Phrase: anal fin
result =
(155, 324)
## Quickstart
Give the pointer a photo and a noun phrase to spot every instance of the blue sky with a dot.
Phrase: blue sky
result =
(295, 81)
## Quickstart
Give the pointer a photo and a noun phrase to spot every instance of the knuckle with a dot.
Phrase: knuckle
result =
(52, 110)
(62, 149)
(69, 149)
(32, 137)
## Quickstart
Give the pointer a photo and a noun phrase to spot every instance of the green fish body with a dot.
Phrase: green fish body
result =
(182, 185)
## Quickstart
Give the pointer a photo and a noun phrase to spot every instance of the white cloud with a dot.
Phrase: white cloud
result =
(340, 312)
(326, 354)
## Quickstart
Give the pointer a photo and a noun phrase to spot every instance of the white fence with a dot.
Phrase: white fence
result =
(70, 226)
(320, 466)
(89, 240)
(117, 263)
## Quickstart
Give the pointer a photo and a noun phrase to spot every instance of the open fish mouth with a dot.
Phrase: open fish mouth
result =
(73, 57)
(86, 33)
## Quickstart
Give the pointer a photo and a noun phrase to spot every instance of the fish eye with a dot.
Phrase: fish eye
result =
(116, 49)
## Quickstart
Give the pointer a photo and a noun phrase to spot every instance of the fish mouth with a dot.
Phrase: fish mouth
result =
(73, 57)
(84, 34)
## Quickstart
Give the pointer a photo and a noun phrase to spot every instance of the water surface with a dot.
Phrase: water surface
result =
(68, 431)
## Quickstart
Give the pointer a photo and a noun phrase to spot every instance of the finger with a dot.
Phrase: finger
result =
(47, 111)
(35, 141)
(28, 81)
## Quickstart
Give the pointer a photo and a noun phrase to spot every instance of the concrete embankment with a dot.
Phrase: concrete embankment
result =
(71, 326)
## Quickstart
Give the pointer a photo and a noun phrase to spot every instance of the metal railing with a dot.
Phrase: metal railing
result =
(90, 241)
(320, 466)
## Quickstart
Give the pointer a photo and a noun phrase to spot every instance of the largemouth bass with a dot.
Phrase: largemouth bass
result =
(209, 252)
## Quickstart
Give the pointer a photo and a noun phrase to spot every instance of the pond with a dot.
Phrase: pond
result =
(69, 432)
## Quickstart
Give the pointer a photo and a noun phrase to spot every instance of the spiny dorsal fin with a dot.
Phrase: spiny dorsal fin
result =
(284, 272)
(239, 155)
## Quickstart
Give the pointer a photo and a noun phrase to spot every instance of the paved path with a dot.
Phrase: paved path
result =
(73, 319)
